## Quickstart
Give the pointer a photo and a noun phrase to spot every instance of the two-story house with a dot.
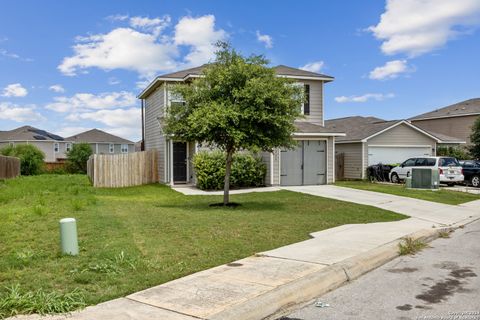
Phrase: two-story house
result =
(103, 142)
(311, 163)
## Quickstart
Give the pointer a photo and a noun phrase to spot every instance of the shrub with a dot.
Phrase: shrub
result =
(77, 158)
(475, 139)
(455, 152)
(247, 170)
(31, 158)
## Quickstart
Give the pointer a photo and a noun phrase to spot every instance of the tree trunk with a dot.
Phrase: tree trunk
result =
(228, 169)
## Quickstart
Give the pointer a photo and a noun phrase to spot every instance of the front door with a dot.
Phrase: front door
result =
(179, 162)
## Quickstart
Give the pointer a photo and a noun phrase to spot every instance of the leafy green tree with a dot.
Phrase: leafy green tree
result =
(77, 158)
(238, 104)
(31, 158)
(475, 139)
(456, 152)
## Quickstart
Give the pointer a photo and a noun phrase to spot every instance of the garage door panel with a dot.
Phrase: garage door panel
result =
(314, 162)
(291, 167)
(304, 165)
(397, 154)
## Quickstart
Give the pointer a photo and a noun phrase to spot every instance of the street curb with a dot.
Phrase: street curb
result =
(286, 298)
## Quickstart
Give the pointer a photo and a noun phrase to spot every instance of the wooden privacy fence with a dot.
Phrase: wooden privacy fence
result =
(339, 166)
(9, 167)
(123, 170)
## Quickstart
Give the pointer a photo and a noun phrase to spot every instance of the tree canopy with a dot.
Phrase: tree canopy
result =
(238, 103)
(475, 139)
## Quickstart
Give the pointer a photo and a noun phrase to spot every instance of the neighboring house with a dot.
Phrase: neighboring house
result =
(53, 146)
(103, 142)
(312, 162)
(371, 140)
(455, 120)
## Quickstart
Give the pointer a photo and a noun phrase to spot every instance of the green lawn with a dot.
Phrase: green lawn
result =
(135, 238)
(441, 196)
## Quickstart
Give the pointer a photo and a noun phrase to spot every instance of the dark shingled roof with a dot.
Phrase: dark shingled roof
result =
(466, 107)
(281, 70)
(358, 128)
(96, 135)
(309, 127)
(28, 133)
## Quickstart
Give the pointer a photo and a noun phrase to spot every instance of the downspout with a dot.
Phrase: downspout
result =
(142, 144)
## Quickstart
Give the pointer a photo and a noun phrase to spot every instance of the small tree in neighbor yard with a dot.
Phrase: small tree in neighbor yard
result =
(31, 158)
(77, 157)
(238, 104)
(475, 139)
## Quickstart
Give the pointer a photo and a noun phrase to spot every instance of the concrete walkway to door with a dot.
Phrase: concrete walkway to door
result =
(436, 213)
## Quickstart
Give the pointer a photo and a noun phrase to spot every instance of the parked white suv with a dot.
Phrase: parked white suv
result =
(450, 170)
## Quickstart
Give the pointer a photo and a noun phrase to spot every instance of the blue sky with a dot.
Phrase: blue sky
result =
(68, 66)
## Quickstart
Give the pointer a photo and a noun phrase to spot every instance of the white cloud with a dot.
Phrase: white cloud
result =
(200, 35)
(415, 27)
(390, 70)
(145, 47)
(315, 66)
(118, 117)
(265, 39)
(89, 101)
(113, 81)
(57, 88)
(364, 98)
(13, 112)
(14, 90)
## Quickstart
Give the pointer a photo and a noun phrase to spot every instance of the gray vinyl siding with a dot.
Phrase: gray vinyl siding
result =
(266, 158)
(316, 101)
(154, 139)
(458, 127)
(401, 135)
(352, 159)
(330, 160)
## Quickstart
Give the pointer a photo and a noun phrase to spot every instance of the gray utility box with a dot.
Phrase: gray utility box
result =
(425, 178)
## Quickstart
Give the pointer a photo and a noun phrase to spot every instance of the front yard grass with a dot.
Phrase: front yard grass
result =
(135, 238)
(441, 196)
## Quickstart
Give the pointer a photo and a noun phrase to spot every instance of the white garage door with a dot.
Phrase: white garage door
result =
(391, 155)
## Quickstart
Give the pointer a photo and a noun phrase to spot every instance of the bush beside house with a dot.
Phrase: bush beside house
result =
(247, 170)
(31, 158)
(77, 158)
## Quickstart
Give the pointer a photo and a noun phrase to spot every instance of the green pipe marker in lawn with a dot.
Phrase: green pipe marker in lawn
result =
(68, 236)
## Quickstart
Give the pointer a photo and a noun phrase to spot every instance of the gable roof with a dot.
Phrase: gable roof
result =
(182, 75)
(98, 136)
(360, 129)
(28, 133)
(467, 107)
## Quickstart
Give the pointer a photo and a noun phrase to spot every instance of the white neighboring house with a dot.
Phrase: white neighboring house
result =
(311, 163)
(103, 142)
(53, 146)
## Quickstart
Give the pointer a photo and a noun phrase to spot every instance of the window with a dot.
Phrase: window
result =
(425, 162)
(56, 147)
(409, 163)
(306, 104)
(175, 99)
(12, 143)
(68, 146)
(111, 148)
(124, 148)
(445, 162)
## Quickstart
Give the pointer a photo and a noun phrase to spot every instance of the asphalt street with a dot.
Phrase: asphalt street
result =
(441, 282)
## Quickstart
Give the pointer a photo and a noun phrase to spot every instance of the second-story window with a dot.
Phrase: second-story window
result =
(56, 147)
(175, 99)
(111, 148)
(306, 104)
(68, 146)
(124, 148)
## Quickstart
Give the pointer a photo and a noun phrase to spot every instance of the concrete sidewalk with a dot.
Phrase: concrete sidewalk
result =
(273, 281)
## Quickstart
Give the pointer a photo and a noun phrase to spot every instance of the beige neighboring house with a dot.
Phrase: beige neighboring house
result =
(53, 146)
(311, 163)
(455, 120)
(103, 142)
(371, 140)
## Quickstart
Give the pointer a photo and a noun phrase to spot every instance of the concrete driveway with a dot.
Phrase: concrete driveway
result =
(441, 282)
(436, 213)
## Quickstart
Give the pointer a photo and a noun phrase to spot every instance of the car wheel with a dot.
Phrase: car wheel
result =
(475, 181)
(395, 178)
(450, 184)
